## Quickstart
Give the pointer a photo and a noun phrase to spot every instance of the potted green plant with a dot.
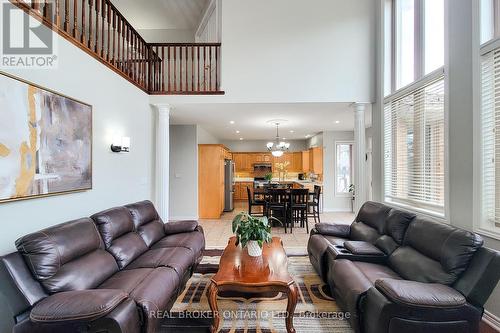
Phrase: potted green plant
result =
(252, 232)
(268, 177)
(352, 190)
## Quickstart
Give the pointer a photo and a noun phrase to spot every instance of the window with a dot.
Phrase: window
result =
(343, 168)
(490, 119)
(490, 18)
(414, 106)
(414, 148)
(414, 46)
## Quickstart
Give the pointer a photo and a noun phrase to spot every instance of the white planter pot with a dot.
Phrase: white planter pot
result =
(254, 249)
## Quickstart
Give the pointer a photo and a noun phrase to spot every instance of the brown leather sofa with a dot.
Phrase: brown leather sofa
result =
(397, 272)
(112, 272)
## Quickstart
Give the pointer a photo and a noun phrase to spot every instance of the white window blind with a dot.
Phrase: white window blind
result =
(414, 146)
(490, 122)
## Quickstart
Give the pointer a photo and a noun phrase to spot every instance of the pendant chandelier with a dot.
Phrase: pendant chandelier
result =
(278, 147)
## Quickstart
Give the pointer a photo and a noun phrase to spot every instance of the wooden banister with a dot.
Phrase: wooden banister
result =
(156, 68)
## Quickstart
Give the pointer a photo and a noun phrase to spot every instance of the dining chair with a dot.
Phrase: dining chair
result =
(299, 199)
(276, 202)
(252, 202)
(313, 206)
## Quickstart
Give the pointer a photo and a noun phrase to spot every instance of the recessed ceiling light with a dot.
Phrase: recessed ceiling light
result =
(237, 132)
(241, 139)
(231, 122)
(284, 138)
(291, 131)
(337, 121)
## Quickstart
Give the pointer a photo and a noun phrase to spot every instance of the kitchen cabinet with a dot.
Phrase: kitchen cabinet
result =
(296, 165)
(316, 160)
(240, 190)
(305, 161)
(243, 162)
(211, 180)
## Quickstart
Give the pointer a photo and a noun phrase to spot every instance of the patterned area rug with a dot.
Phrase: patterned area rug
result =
(316, 310)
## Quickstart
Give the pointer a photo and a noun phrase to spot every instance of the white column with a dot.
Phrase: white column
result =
(359, 155)
(162, 170)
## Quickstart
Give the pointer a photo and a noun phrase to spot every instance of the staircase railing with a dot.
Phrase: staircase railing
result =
(98, 28)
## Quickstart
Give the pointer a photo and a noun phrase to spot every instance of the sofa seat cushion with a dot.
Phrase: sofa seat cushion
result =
(418, 294)
(127, 280)
(194, 241)
(156, 294)
(348, 284)
(78, 305)
(179, 259)
(373, 272)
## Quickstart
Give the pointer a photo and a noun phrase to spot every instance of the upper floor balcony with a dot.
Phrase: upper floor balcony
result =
(98, 28)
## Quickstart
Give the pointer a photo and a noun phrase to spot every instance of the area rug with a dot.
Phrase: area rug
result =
(316, 310)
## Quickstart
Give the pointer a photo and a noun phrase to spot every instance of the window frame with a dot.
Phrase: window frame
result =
(483, 49)
(418, 48)
(337, 143)
(420, 79)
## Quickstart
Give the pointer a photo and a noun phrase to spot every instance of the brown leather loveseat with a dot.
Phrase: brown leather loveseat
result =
(396, 272)
(114, 272)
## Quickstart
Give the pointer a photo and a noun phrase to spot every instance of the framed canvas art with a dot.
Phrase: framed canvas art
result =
(45, 142)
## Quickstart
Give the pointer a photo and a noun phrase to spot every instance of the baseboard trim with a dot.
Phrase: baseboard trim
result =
(182, 218)
(336, 210)
(491, 320)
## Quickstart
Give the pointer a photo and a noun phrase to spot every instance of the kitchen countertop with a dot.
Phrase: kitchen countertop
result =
(301, 182)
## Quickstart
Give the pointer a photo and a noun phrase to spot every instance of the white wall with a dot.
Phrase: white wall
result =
(315, 141)
(167, 35)
(118, 179)
(205, 137)
(183, 187)
(260, 145)
(321, 50)
(332, 201)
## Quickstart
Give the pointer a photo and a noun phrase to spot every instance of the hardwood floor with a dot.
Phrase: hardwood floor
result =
(485, 328)
(218, 231)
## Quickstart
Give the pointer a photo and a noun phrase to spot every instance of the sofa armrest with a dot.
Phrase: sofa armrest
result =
(78, 305)
(178, 227)
(363, 248)
(336, 230)
(418, 294)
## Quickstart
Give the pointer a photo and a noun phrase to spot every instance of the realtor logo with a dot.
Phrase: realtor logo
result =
(26, 42)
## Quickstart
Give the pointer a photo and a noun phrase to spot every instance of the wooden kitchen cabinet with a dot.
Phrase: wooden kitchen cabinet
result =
(237, 190)
(211, 180)
(241, 190)
(243, 162)
(296, 165)
(305, 161)
(316, 160)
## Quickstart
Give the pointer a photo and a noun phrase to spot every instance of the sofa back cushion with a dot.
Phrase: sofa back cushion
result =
(68, 256)
(434, 252)
(118, 233)
(147, 222)
(370, 222)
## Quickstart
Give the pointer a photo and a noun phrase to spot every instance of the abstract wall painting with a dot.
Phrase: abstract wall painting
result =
(45, 142)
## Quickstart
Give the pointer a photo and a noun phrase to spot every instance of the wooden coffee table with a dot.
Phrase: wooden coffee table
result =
(240, 273)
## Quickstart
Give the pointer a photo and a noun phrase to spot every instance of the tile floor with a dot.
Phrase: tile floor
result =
(217, 232)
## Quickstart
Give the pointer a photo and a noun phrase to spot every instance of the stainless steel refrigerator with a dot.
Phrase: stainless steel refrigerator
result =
(229, 168)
